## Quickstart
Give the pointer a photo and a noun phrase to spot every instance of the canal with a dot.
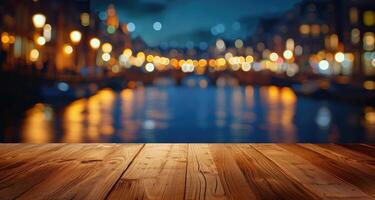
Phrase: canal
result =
(196, 114)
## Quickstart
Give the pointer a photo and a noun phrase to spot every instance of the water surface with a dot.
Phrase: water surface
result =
(195, 114)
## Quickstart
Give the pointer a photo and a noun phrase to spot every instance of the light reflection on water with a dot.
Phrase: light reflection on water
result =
(213, 114)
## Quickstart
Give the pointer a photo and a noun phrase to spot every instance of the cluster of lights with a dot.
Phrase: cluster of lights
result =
(272, 60)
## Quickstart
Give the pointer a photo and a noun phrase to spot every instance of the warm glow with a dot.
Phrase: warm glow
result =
(106, 57)
(369, 18)
(107, 48)
(85, 19)
(369, 85)
(128, 52)
(288, 54)
(41, 41)
(5, 38)
(34, 55)
(274, 57)
(304, 29)
(339, 57)
(68, 49)
(39, 20)
(95, 43)
(75, 36)
(249, 59)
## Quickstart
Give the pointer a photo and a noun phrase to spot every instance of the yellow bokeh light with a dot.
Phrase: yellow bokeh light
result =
(68, 49)
(128, 52)
(107, 48)
(34, 55)
(249, 59)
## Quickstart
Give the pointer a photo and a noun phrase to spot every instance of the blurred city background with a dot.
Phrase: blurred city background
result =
(187, 71)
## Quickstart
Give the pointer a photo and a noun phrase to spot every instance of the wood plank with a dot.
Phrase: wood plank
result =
(78, 171)
(158, 172)
(202, 180)
(352, 172)
(361, 149)
(29, 169)
(354, 155)
(88, 175)
(232, 179)
(320, 182)
(360, 161)
(265, 177)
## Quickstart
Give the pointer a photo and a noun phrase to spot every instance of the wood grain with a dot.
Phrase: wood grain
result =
(202, 181)
(158, 172)
(323, 184)
(265, 177)
(187, 171)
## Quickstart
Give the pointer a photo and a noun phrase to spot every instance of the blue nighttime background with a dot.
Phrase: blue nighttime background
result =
(213, 71)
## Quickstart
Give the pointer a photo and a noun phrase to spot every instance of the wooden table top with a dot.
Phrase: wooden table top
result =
(187, 171)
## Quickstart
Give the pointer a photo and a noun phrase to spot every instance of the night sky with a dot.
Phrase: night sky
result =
(187, 21)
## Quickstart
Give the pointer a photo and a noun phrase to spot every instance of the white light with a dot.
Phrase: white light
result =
(274, 57)
(246, 66)
(131, 27)
(323, 65)
(75, 36)
(157, 26)
(339, 57)
(150, 67)
(95, 43)
(288, 54)
(106, 57)
(41, 41)
(123, 60)
(39, 20)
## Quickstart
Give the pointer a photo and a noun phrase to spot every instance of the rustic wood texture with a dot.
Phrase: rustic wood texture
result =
(187, 171)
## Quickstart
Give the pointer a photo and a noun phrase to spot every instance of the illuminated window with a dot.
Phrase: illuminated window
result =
(355, 35)
(369, 18)
(85, 19)
(304, 29)
(334, 41)
(290, 44)
(315, 30)
(368, 41)
(353, 14)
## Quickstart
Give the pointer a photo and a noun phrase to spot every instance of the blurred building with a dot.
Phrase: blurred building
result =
(314, 26)
(51, 46)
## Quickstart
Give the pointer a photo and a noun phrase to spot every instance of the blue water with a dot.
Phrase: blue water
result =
(196, 114)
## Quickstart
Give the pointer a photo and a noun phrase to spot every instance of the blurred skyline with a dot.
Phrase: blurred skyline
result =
(227, 19)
